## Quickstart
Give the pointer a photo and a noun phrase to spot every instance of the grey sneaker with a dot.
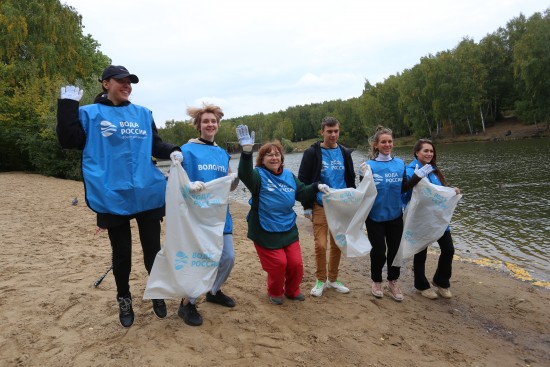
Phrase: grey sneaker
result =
(276, 300)
(299, 297)
(189, 314)
(126, 313)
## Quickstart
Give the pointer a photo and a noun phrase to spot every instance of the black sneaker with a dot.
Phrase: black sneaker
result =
(189, 314)
(220, 299)
(159, 308)
(126, 314)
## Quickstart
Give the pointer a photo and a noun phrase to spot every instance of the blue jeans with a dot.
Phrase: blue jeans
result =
(227, 260)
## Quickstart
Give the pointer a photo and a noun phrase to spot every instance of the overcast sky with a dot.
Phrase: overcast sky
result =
(251, 56)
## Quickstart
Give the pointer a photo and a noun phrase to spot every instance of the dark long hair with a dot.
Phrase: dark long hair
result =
(437, 171)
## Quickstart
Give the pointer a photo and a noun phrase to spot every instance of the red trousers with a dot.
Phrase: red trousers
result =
(284, 268)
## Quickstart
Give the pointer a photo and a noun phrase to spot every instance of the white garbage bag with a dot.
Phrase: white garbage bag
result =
(426, 218)
(187, 264)
(346, 211)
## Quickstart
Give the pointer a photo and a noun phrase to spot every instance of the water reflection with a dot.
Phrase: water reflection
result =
(504, 215)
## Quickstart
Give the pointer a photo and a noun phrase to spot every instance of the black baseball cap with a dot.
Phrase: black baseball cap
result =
(118, 72)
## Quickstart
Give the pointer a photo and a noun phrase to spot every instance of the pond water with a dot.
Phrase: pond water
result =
(503, 219)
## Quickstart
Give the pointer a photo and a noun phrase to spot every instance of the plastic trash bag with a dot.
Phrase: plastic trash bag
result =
(187, 264)
(346, 211)
(426, 218)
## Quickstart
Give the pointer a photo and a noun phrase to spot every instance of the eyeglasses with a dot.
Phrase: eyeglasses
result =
(273, 155)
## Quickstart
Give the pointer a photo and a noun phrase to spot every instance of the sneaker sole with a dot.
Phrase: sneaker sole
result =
(160, 317)
(434, 296)
(338, 290)
(182, 316)
(394, 297)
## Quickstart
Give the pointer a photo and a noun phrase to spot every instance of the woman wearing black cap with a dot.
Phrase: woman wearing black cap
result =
(118, 140)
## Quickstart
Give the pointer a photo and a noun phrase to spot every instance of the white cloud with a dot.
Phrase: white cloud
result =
(265, 56)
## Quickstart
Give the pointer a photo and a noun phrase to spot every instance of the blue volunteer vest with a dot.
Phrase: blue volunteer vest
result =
(205, 163)
(388, 177)
(432, 177)
(119, 175)
(276, 200)
(332, 170)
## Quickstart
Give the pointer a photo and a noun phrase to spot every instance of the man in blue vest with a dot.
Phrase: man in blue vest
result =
(329, 163)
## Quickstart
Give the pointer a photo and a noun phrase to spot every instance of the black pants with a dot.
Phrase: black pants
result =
(382, 234)
(121, 244)
(442, 275)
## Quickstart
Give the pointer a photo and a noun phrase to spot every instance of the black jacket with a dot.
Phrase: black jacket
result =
(310, 167)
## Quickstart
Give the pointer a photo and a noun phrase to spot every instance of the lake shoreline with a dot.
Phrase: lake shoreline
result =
(505, 130)
(52, 315)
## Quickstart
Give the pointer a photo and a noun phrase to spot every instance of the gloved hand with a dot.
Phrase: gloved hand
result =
(71, 92)
(424, 171)
(324, 188)
(308, 214)
(176, 157)
(363, 168)
(246, 140)
(197, 186)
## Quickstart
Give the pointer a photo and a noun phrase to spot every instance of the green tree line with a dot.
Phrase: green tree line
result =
(463, 90)
(466, 89)
(42, 48)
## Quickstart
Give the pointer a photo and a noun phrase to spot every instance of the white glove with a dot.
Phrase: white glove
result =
(176, 157)
(71, 92)
(197, 186)
(363, 168)
(246, 140)
(324, 188)
(308, 214)
(424, 171)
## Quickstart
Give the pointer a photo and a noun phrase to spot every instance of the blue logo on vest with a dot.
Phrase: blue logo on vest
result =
(377, 178)
(271, 186)
(107, 128)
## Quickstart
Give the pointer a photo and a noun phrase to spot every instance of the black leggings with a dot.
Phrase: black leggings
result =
(121, 244)
(442, 275)
(382, 234)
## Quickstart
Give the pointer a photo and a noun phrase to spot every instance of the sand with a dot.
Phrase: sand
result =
(51, 315)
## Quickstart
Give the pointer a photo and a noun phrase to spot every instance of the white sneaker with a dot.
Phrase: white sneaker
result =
(317, 290)
(338, 286)
(377, 290)
(444, 292)
(428, 293)
(395, 290)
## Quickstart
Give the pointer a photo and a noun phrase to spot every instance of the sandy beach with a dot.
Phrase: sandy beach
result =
(51, 315)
